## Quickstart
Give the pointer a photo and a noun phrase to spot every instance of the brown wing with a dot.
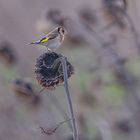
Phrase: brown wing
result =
(52, 36)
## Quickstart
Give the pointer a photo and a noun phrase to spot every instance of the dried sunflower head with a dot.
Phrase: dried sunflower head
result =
(25, 90)
(88, 15)
(114, 11)
(47, 75)
(56, 17)
(124, 125)
(7, 54)
(22, 88)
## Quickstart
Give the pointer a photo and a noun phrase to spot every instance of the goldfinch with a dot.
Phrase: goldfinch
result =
(52, 40)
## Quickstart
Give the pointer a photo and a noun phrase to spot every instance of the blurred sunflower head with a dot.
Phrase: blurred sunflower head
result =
(7, 53)
(56, 17)
(25, 90)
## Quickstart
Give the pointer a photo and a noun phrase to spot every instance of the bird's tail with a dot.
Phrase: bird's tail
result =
(37, 42)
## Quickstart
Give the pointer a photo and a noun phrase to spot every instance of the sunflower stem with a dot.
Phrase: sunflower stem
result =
(64, 66)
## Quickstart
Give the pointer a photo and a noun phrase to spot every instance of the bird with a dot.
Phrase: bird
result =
(53, 39)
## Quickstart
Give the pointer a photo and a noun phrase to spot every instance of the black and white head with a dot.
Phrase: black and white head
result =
(61, 30)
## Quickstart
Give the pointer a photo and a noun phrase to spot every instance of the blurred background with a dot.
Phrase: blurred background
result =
(103, 45)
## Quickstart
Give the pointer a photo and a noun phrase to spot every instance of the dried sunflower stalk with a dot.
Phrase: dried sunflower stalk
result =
(51, 70)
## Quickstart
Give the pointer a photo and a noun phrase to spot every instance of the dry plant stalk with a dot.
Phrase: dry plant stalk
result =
(51, 70)
(51, 131)
(62, 60)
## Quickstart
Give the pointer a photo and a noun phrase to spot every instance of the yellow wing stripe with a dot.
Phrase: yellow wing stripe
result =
(44, 40)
